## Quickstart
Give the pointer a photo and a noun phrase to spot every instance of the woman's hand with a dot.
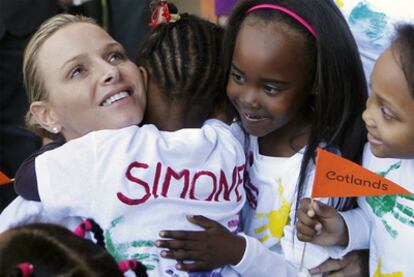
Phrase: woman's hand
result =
(213, 248)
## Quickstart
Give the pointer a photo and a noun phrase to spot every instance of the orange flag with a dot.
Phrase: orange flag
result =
(339, 177)
(4, 179)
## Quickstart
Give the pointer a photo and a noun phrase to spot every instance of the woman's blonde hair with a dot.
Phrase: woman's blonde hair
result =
(33, 81)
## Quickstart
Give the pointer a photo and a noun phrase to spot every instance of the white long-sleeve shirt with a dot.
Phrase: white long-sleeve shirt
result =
(272, 246)
(137, 181)
(385, 224)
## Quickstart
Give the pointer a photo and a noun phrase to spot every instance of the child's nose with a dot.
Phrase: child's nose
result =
(250, 97)
(369, 121)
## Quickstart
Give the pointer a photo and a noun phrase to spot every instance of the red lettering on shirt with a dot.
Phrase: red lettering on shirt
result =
(138, 181)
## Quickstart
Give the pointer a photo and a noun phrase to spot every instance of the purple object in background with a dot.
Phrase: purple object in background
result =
(223, 7)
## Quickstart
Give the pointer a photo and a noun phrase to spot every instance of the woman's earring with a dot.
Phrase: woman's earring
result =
(55, 130)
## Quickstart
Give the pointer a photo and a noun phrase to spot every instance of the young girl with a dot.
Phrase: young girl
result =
(139, 176)
(295, 78)
(40, 249)
(384, 223)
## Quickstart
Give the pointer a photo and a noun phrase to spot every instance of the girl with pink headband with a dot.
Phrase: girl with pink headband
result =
(297, 83)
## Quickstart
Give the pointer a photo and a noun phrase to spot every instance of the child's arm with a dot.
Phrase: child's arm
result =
(320, 224)
(217, 247)
(25, 183)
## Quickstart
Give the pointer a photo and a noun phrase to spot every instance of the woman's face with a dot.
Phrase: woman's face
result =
(91, 83)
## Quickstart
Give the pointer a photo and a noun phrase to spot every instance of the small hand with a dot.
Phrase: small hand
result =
(215, 247)
(354, 264)
(320, 224)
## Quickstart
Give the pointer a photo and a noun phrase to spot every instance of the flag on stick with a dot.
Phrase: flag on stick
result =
(339, 177)
(4, 179)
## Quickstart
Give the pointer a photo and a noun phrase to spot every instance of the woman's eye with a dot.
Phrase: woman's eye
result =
(271, 89)
(386, 113)
(76, 72)
(115, 56)
(237, 77)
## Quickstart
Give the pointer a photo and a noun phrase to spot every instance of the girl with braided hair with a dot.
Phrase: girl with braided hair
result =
(41, 249)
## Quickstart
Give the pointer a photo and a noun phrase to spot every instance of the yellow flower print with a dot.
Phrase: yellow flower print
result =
(276, 219)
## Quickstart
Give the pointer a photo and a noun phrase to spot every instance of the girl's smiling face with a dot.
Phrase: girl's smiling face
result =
(389, 115)
(269, 82)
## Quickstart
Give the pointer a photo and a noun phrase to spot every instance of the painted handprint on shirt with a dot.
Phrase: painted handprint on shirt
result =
(395, 205)
(276, 219)
(122, 250)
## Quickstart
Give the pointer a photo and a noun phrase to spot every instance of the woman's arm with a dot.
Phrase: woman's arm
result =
(25, 183)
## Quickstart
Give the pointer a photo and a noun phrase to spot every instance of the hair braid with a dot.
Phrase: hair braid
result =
(185, 59)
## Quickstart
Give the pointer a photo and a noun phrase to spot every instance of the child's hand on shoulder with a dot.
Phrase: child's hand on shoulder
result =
(320, 224)
(213, 248)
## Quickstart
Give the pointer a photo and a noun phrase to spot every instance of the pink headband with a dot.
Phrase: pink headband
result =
(286, 11)
(26, 269)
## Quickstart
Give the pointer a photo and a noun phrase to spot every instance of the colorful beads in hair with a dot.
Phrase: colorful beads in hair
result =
(89, 225)
(138, 268)
(26, 269)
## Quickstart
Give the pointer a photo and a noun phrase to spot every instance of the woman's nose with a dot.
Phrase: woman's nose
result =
(111, 74)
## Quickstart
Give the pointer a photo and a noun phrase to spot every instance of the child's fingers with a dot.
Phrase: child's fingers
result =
(182, 235)
(192, 267)
(304, 218)
(202, 221)
(180, 254)
(323, 210)
(179, 244)
(305, 230)
(305, 204)
(327, 266)
(304, 238)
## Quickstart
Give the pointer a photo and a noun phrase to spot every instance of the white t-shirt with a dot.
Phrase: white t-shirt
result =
(21, 211)
(269, 217)
(372, 23)
(387, 221)
(137, 181)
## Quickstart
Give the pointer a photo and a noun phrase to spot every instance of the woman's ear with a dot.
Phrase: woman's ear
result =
(145, 77)
(45, 116)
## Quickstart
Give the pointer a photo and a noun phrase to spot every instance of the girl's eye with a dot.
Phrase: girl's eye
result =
(78, 70)
(386, 113)
(271, 89)
(238, 78)
(116, 56)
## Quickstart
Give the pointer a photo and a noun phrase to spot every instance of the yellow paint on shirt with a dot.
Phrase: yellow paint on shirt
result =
(378, 272)
(276, 219)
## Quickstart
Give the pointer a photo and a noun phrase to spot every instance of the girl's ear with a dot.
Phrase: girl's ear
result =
(145, 77)
(45, 116)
